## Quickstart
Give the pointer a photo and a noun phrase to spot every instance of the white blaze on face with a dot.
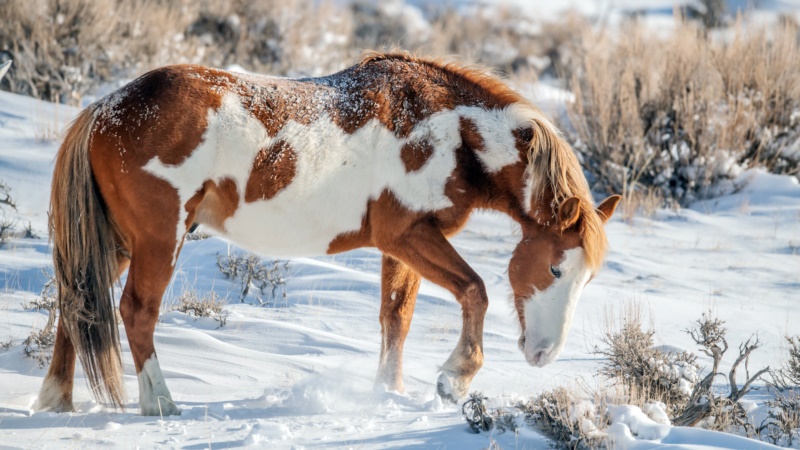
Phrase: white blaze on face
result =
(549, 313)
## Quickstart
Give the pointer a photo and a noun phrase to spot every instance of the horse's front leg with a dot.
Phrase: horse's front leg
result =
(399, 287)
(425, 249)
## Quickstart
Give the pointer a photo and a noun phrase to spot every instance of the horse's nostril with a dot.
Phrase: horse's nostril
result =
(521, 343)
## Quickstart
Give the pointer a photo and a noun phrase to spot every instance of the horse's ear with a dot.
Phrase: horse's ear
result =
(607, 207)
(569, 212)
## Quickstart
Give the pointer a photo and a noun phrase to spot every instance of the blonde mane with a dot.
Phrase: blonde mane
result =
(552, 164)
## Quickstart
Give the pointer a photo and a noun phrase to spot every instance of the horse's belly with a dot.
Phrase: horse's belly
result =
(275, 228)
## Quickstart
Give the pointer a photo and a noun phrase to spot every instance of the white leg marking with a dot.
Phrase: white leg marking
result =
(51, 398)
(154, 397)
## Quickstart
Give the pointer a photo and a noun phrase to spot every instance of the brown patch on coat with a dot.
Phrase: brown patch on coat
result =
(213, 203)
(470, 135)
(141, 121)
(415, 154)
(273, 170)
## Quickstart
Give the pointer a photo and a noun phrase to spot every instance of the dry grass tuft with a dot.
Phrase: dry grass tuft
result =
(199, 305)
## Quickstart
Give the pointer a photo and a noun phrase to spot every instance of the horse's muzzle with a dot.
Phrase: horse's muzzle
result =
(538, 355)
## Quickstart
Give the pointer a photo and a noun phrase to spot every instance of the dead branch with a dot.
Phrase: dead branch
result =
(710, 334)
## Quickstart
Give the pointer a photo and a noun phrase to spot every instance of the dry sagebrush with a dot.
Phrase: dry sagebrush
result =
(250, 271)
(65, 49)
(646, 373)
(680, 113)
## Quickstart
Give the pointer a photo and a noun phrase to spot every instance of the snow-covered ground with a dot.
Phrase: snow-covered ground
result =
(299, 372)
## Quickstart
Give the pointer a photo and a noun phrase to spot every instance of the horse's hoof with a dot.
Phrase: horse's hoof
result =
(167, 409)
(52, 399)
(446, 390)
(60, 407)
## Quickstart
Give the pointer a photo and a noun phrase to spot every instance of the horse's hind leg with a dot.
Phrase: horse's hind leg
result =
(399, 286)
(148, 277)
(56, 391)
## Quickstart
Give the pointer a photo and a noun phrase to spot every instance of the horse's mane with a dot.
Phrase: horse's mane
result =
(551, 162)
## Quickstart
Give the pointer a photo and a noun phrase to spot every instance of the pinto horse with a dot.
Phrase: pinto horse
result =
(394, 153)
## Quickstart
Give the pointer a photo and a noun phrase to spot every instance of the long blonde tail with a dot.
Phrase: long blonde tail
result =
(85, 245)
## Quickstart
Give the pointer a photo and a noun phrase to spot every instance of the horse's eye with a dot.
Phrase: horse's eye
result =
(526, 134)
(555, 271)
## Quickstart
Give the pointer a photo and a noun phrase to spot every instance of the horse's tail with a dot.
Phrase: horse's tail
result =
(85, 244)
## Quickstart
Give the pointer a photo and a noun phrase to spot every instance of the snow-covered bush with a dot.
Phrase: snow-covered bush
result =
(572, 422)
(649, 385)
(250, 271)
(684, 113)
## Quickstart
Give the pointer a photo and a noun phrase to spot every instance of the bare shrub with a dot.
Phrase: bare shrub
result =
(7, 224)
(5, 196)
(28, 233)
(6, 230)
(250, 271)
(788, 375)
(706, 407)
(571, 422)
(782, 425)
(683, 113)
(39, 344)
(646, 372)
(196, 304)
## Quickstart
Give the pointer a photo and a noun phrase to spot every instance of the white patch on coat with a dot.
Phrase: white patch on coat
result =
(549, 313)
(154, 397)
(336, 176)
(495, 127)
(51, 397)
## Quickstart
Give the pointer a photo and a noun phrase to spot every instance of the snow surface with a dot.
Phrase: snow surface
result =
(299, 372)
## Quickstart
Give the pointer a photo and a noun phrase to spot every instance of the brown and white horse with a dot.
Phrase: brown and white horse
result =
(394, 153)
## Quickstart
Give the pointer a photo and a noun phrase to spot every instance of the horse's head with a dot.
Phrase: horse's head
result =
(548, 271)
(563, 237)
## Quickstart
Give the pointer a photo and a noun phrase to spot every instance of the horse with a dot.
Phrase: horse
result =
(394, 153)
